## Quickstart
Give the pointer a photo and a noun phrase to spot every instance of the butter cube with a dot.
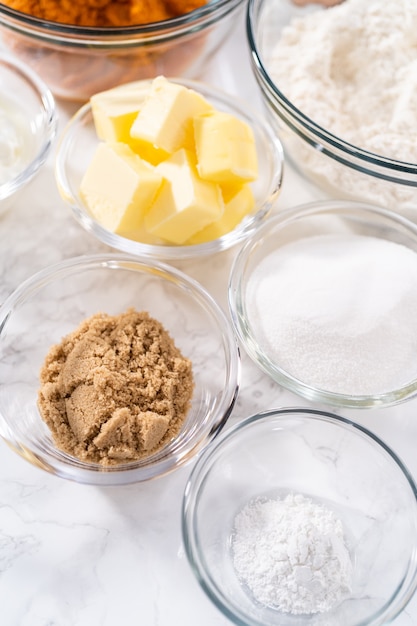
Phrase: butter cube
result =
(225, 148)
(238, 202)
(184, 204)
(118, 187)
(165, 120)
(115, 110)
(142, 235)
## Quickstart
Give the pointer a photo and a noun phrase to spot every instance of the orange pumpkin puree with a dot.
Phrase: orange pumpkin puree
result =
(105, 12)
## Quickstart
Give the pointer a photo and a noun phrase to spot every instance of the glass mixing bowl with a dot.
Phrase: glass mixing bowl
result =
(28, 121)
(79, 141)
(324, 458)
(312, 337)
(77, 61)
(338, 167)
(52, 303)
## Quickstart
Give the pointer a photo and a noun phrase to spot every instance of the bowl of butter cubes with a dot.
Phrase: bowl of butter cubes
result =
(168, 168)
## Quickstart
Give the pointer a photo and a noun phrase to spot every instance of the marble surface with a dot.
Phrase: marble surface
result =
(74, 555)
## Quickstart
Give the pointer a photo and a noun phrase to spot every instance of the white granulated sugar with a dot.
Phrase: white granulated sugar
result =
(291, 554)
(353, 70)
(339, 312)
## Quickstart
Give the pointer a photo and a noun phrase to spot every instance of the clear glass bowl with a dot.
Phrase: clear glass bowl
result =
(53, 303)
(335, 463)
(79, 141)
(28, 120)
(331, 217)
(77, 62)
(339, 168)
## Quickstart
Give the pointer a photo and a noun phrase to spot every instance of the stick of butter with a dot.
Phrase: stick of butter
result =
(118, 187)
(225, 148)
(165, 120)
(238, 202)
(184, 204)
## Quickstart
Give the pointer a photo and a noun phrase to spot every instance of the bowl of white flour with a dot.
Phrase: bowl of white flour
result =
(324, 299)
(298, 517)
(340, 85)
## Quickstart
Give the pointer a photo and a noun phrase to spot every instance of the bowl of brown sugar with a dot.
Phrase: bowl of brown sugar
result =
(113, 370)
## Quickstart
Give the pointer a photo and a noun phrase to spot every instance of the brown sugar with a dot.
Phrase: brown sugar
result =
(116, 389)
(105, 13)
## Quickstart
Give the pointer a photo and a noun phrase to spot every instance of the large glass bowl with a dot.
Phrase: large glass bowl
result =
(337, 167)
(317, 356)
(336, 464)
(78, 61)
(79, 141)
(53, 303)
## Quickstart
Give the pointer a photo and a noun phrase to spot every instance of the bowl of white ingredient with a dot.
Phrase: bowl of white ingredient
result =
(296, 516)
(28, 122)
(324, 297)
(339, 84)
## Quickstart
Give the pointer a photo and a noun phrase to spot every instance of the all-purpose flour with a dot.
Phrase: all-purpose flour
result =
(339, 312)
(292, 555)
(353, 70)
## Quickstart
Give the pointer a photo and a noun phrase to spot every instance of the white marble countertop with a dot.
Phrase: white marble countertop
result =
(76, 555)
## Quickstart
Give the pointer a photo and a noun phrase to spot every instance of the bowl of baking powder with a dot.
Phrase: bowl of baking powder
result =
(298, 516)
(324, 300)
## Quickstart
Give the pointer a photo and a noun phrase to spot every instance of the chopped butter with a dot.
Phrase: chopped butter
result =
(238, 202)
(118, 187)
(184, 204)
(165, 120)
(115, 110)
(171, 167)
(225, 148)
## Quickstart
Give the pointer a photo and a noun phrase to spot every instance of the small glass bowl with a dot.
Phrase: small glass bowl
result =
(78, 61)
(337, 167)
(28, 122)
(79, 141)
(53, 303)
(334, 463)
(331, 217)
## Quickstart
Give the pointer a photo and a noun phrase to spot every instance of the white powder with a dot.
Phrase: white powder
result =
(339, 312)
(353, 70)
(291, 554)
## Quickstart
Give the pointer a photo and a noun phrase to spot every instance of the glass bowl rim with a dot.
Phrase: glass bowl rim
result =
(198, 476)
(162, 30)
(172, 252)
(315, 135)
(47, 105)
(280, 375)
(163, 462)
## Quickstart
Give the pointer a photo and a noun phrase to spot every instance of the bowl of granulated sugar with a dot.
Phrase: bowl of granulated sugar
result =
(298, 517)
(324, 300)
